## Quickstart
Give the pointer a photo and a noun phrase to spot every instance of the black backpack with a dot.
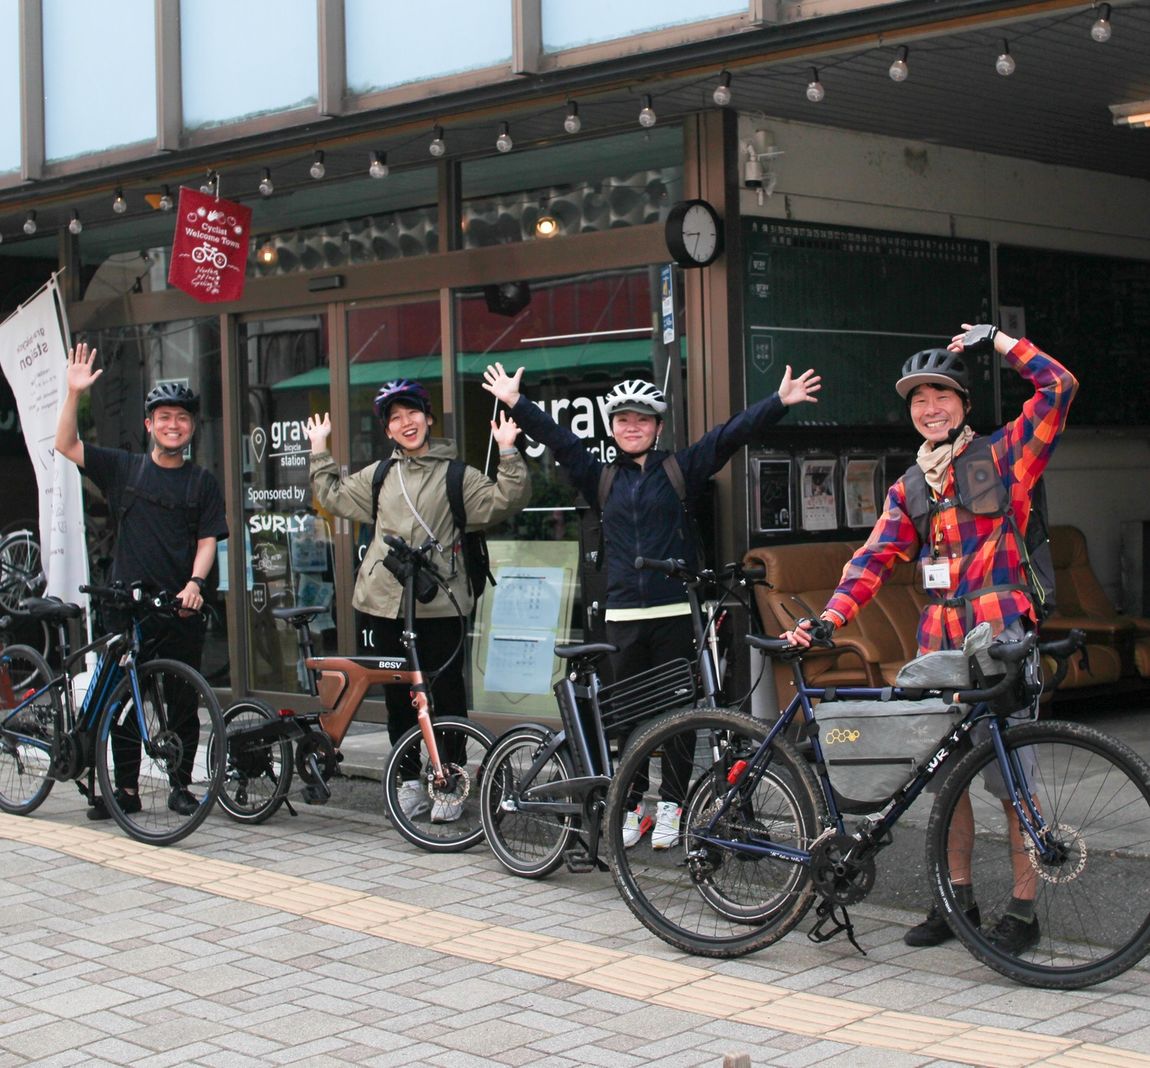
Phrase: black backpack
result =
(473, 543)
(1034, 548)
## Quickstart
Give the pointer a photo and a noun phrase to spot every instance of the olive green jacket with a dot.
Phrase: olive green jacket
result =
(377, 592)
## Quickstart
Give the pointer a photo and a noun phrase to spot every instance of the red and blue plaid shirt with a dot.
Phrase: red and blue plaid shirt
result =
(980, 550)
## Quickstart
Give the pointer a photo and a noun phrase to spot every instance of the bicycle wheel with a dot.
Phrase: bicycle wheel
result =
(175, 779)
(258, 774)
(26, 733)
(1092, 897)
(21, 574)
(444, 820)
(530, 844)
(700, 897)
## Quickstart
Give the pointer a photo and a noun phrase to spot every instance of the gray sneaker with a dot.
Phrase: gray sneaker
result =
(413, 799)
(446, 809)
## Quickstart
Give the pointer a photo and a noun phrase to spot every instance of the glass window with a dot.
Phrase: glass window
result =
(134, 359)
(567, 25)
(9, 87)
(393, 44)
(573, 188)
(576, 337)
(287, 547)
(99, 75)
(238, 61)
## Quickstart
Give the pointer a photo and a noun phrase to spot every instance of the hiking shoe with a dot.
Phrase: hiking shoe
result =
(934, 930)
(446, 809)
(666, 833)
(636, 824)
(413, 799)
(1013, 936)
(127, 803)
(182, 801)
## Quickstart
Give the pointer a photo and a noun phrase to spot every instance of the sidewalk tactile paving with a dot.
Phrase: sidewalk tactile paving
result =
(640, 978)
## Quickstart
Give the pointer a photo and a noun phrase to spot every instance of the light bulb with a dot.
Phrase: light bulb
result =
(815, 90)
(267, 186)
(1005, 63)
(572, 124)
(119, 205)
(647, 116)
(30, 224)
(1100, 31)
(166, 201)
(317, 170)
(267, 254)
(546, 226)
(74, 225)
(722, 93)
(503, 142)
(378, 167)
(899, 71)
(438, 146)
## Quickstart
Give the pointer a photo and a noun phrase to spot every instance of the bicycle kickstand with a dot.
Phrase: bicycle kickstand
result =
(826, 911)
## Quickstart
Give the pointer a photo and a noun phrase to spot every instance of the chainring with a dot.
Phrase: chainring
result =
(319, 743)
(837, 876)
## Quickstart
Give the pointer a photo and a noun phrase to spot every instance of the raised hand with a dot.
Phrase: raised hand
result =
(80, 373)
(803, 388)
(505, 431)
(318, 431)
(503, 386)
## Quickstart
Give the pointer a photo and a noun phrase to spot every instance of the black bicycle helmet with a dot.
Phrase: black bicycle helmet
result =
(401, 389)
(635, 395)
(172, 395)
(936, 367)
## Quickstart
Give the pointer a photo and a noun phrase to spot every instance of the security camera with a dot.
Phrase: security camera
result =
(752, 168)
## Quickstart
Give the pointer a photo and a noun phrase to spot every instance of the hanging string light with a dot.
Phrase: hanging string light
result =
(503, 142)
(119, 205)
(647, 116)
(74, 224)
(438, 147)
(899, 70)
(815, 91)
(722, 93)
(1005, 64)
(1101, 31)
(572, 124)
(166, 202)
(266, 186)
(209, 183)
(30, 226)
(317, 169)
(378, 167)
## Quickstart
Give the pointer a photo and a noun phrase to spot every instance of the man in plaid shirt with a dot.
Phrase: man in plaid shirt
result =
(971, 565)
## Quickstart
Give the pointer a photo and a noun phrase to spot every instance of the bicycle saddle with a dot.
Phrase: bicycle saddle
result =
(49, 609)
(574, 652)
(298, 614)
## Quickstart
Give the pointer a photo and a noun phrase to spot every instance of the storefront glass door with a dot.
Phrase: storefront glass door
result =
(287, 549)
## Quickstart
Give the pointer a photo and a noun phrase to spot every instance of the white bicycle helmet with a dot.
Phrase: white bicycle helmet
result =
(635, 395)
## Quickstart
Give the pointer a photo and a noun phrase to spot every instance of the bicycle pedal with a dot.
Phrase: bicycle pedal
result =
(578, 861)
(315, 794)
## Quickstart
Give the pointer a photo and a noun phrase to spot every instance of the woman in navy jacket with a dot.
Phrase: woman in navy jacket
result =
(648, 616)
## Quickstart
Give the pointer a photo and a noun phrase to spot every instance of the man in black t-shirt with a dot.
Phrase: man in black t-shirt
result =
(170, 517)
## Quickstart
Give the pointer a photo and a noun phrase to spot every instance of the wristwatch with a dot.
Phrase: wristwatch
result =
(198, 581)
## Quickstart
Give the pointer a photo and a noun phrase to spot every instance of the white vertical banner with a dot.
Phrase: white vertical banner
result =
(34, 358)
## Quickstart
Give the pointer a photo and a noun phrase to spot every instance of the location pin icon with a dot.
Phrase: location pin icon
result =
(259, 443)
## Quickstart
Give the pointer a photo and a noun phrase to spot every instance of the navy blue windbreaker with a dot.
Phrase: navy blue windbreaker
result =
(643, 515)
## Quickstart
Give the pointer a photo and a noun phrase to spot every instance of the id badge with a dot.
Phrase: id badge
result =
(936, 576)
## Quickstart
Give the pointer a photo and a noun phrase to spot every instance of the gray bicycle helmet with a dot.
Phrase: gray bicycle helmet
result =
(635, 395)
(172, 395)
(936, 367)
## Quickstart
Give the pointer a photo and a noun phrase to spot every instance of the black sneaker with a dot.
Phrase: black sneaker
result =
(1013, 936)
(183, 801)
(934, 930)
(127, 803)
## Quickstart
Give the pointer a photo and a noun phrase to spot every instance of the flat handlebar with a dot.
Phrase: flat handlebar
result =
(679, 568)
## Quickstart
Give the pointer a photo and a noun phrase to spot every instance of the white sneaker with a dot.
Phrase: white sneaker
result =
(635, 824)
(413, 799)
(666, 833)
(446, 810)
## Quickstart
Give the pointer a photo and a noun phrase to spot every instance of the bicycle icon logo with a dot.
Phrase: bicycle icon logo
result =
(837, 734)
(206, 254)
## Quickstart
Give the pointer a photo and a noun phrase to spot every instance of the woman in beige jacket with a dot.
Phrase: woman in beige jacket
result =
(413, 505)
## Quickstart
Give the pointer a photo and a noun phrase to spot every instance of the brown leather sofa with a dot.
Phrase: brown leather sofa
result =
(883, 637)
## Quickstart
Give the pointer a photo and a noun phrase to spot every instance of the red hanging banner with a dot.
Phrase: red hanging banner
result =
(210, 247)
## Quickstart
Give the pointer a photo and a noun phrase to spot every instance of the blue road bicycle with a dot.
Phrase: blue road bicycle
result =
(142, 729)
(1052, 812)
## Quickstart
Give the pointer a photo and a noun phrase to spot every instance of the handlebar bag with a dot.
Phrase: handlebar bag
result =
(872, 748)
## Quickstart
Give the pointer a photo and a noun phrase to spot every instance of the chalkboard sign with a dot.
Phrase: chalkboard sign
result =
(854, 304)
(1091, 313)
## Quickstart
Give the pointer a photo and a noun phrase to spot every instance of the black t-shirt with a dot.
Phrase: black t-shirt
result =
(157, 535)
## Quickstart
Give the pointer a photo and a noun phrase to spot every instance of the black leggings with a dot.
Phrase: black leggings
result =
(437, 640)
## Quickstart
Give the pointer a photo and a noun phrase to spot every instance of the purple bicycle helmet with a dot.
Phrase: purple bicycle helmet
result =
(401, 389)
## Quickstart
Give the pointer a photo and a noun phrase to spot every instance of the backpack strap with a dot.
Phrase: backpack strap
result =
(606, 480)
(380, 473)
(455, 472)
